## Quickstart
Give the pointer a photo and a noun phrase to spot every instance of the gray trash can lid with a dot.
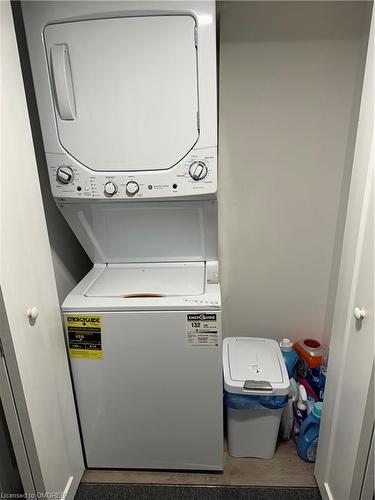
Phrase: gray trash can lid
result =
(254, 366)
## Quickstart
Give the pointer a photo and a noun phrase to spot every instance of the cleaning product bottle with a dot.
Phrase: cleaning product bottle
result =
(290, 356)
(309, 433)
(300, 411)
(311, 351)
(311, 355)
(286, 423)
(322, 375)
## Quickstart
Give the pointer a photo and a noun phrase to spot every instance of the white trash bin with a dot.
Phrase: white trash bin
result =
(256, 386)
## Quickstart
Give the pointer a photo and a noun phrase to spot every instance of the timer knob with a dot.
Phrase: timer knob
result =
(132, 188)
(198, 170)
(110, 188)
(64, 174)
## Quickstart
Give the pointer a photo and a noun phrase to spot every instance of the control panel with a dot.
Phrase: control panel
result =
(195, 175)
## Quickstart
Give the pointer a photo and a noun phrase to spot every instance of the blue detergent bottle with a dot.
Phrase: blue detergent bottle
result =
(309, 433)
(290, 356)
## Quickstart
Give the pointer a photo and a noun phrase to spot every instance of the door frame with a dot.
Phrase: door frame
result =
(9, 406)
(365, 448)
(39, 406)
(367, 489)
(361, 189)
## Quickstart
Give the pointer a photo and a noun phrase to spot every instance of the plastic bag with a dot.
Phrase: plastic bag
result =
(243, 402)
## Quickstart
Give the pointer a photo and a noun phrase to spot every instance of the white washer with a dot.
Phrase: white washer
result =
(150, 395)
(145, 337)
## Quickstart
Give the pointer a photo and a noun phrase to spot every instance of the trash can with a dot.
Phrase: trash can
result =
(256, 387)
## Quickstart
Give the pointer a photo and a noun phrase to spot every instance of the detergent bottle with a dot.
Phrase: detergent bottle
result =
(290, 356)
(300, 411)
(309, 433)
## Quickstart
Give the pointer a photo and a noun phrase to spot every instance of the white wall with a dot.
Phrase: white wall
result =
(289, 79)
(70, 261)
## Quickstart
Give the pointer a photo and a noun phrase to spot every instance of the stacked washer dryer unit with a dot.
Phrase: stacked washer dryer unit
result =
(126, 93)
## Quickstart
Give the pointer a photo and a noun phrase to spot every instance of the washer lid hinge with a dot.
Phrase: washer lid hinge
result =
(212, 271)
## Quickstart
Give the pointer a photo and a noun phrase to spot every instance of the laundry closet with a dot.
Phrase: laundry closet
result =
(205, 170)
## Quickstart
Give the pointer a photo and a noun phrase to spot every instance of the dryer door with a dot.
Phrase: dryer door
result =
(125, 90)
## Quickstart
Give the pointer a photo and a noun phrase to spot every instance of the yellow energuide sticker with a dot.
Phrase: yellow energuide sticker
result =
(84, 336)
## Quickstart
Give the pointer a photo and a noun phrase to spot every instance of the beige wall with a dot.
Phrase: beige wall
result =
(289, 79)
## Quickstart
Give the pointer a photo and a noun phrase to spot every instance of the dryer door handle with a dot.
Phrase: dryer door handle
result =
(62, 81)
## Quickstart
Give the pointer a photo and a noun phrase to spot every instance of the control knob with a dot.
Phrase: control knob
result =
(132, 188)
(110, 188)
(198, 170)
(64, 174)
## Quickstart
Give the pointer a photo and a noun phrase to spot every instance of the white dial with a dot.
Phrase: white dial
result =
(198, 170)
(64, 174)
(132, 188)
(110, 188)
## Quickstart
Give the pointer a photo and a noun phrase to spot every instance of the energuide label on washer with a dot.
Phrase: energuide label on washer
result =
(201, 329)
(84, 336)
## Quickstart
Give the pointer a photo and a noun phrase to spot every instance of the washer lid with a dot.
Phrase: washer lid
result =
(143, 231)
(254, 366)
(149, 280)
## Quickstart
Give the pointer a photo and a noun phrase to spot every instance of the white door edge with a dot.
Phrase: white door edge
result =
(15, 432)
(67, 487)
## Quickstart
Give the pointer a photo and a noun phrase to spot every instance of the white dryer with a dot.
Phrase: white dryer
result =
(126, 93)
